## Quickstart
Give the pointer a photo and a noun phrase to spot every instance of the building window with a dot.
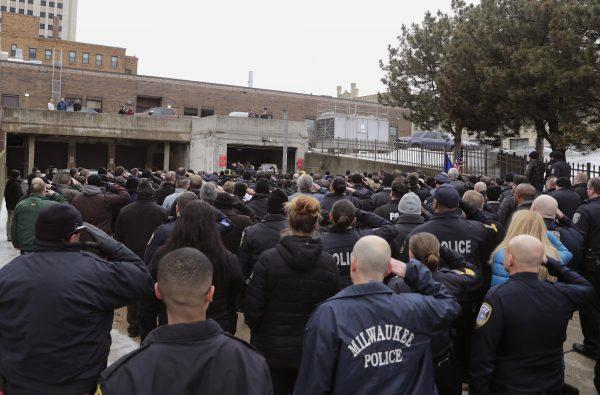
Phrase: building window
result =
(42, 26)
(190, 111)
(59, 17)
(59, 5)
(310, 127)
(48, 54)
(72, 57)
(85, 58)
(99, 60)
(50, 27)
(21, 11)
(29, 12)
(13, 9)
(128, 71)
(51, 4)
(44, 2)
(21, 1)
(32, 53)
(3, 8)
(50, 15)
(207, 112)
(393, 134)
(114, 62)
(94, 105)
(518, 143)
(30, 1)
(13, 50)
(42, 14)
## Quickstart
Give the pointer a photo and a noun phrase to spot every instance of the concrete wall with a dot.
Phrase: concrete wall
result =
(44, 122)
(319, 163)
(211, 135)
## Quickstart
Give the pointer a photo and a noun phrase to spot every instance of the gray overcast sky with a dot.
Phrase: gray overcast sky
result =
(303, 46)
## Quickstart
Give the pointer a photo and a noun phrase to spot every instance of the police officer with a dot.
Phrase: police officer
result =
(264, 235)
(473, 239)
(57, 305)
(587, 220)
(340, 238)
(369, 340)
(201, 357)
(521, 326)
(339, 188)
(389, 211)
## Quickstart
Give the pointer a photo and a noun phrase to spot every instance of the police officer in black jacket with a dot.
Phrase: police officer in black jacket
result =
(191, 354)
(471, 237)
(264, 235)
(382, 197)
(341, 237)
(587, 220)
(390, 211)
(521, 326)
(338, 192)
(57, 305)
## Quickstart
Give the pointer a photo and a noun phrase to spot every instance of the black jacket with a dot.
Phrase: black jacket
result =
(568, 201)
(389, 211)
(340, 243)
(581, 190)
(258, 204)
(194, 358)
(528, 360)
(12, 193)
(137, 222)
(405, 224)
(561, 169)
(460, 186)
(288, 283)
(570, 236)
(165, 189)
(258, 238)
(331, 198)
(382, 197)
(231, 240)
(587, 220)
(56, 324)
(422, 193)
(535, 174)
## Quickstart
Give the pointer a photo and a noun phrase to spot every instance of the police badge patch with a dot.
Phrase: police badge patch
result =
(484, 314)
(576, 217)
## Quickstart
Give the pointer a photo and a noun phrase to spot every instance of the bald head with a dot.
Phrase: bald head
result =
(524, 193)
(546, 206)
(480, 187)
(38, 186)
(170, 176)
(524, 253)
(370, 259)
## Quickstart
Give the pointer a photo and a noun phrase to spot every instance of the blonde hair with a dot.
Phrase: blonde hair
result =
(304, 214)
(526, 222)
(425, 247)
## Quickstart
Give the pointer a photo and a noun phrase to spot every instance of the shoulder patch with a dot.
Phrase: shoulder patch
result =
(484, 315)
(98, 390)
(576, 217)
(492, 227)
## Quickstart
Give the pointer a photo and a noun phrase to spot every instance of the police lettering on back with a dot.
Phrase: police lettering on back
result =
(461, 246)
(342, 258)
(381, 333)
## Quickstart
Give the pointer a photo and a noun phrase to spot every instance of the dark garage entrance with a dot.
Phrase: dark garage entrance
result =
(131, 156)
(256, 155)
(51, 154)
(92, 156)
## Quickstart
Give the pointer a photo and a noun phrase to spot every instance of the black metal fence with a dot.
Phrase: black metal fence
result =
(479, 161)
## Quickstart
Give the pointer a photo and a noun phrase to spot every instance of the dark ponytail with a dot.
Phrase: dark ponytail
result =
(343, 213)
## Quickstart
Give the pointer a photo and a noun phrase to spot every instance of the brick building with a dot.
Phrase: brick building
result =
(21, 32)
(65, 11)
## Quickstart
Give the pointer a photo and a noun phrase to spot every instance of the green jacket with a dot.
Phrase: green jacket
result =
(25, 216)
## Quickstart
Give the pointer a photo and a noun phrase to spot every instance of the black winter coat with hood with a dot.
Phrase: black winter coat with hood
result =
(288, 283)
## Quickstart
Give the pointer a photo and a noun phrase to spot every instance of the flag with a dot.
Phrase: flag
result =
(459, 159)
(447, 163)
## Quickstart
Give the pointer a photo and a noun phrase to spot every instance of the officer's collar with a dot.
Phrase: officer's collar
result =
(524, 276)
(184, 332)
(274, 217)
(370, 288)
(448, 214)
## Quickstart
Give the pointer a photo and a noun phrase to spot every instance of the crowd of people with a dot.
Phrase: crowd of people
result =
(372, 283)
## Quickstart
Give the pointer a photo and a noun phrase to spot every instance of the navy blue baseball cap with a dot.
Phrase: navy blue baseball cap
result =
(441, 179)
(56, 222)
(447, 196)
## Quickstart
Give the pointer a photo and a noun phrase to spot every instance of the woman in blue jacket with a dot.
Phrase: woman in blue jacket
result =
(525, 222)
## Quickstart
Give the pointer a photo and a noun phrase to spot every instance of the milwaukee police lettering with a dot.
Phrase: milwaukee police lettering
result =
(343, 258)
(460, 246)
(394, 217)
(377, 334)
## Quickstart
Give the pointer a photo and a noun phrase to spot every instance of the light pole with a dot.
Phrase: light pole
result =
(285, 142)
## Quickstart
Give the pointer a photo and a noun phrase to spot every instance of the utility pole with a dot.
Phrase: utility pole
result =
(285, 142)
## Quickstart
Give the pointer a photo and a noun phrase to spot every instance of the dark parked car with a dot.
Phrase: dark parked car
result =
(432, 140)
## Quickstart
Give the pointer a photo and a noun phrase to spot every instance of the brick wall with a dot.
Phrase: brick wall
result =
(22, 30)
(115, 90)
